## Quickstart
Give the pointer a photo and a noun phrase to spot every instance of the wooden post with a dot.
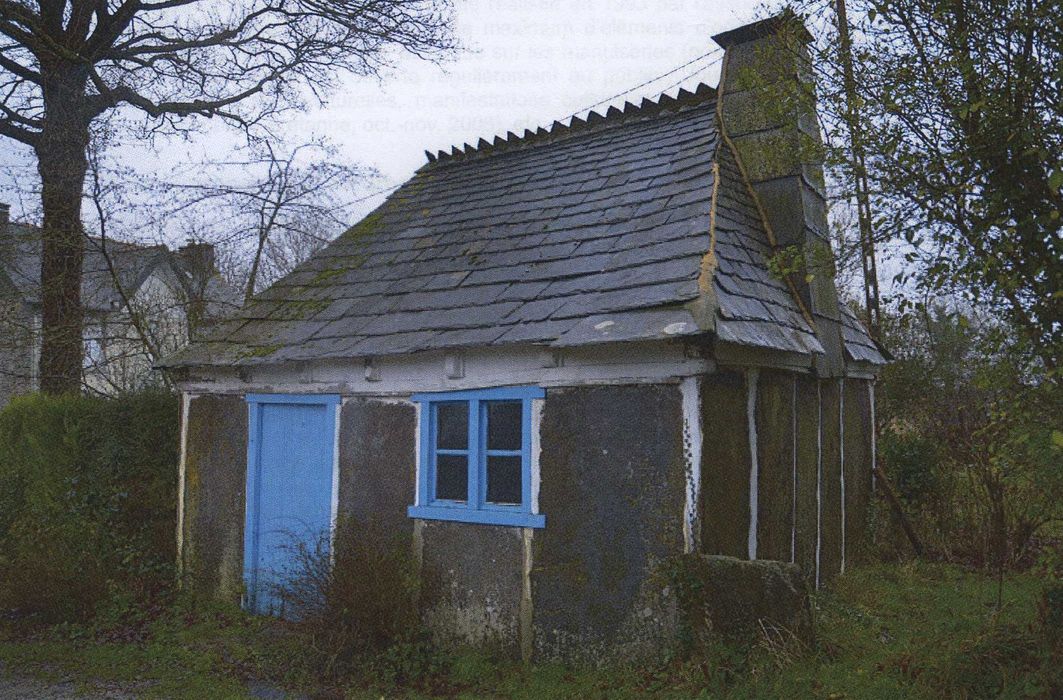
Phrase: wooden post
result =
(859, 163)
(898, 510)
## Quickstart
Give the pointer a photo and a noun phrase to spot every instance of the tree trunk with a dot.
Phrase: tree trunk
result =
(252, 277)
(62, 163)
(898, 510)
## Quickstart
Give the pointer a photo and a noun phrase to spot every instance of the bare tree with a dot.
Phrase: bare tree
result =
(66, 64)
(267, 211)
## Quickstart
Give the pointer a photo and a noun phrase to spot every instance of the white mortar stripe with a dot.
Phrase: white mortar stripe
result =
(527, 629)
(417, 466)
(186, 403)
(537, 406)
(690, 389)
(335, 505)
(754, 467)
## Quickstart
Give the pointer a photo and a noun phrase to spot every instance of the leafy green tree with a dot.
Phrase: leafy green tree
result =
(958, 106)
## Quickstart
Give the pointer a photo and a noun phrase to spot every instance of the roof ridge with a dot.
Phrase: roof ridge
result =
(33, 233)
(703, 93)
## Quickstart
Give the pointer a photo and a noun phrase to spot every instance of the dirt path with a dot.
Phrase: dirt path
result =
(12, 687)
(15, 686)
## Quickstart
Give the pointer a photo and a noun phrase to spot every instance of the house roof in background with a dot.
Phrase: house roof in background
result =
(20, 262)
(593, 232)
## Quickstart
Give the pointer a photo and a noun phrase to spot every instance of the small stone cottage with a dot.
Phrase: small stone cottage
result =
(555, 361)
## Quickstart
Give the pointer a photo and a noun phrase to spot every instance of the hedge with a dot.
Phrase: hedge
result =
(87, 503)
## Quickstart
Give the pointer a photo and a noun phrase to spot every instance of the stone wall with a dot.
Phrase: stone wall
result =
(377, 461)
(808, 432)
(613, 475)
(830, 530)
(585, 587)
(858, 474)
(613, 491)
(473, 578)
(212, 549)
(808, 442)
(725, 461)
(775, 457)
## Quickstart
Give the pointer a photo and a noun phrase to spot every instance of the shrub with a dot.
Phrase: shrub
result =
(358, 605)
(970, 435)
(87, 504)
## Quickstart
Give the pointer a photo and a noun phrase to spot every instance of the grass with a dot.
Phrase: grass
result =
(896, 631)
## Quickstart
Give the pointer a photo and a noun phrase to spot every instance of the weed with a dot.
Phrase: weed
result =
(356, 605)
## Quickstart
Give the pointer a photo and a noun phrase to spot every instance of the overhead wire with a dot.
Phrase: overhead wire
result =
(716, 54)
(651, 81)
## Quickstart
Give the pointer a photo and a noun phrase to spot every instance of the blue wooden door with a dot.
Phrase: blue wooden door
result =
(289, 493)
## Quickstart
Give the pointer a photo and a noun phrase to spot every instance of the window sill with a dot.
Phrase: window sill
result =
(478, 517)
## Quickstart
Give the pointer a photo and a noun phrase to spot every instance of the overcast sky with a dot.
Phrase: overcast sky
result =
(525, 63)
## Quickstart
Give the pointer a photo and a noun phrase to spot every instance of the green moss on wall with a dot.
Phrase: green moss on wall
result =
(831, 492)
(725, 464)
(775, 457)
(613, 489)
(730, 600)
(857, 468)
(807, 461)
(215, 473)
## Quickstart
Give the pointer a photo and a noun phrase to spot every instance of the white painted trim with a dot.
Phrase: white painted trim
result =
(618, 363)
(841, 456)
(186, 404)
(537, 406)
(793, 504)
(690, 390)
(417, 466)
(752, 376)
(335, 504)
(819, 476)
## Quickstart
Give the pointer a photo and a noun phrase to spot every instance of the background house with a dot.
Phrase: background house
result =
(556, 361)
(140, 302)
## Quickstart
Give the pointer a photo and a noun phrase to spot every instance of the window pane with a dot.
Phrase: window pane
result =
(452, 477)
(503, 480)
(452, 425)
(504, 425)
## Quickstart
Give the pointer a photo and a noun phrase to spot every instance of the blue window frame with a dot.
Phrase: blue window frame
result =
(475, 457)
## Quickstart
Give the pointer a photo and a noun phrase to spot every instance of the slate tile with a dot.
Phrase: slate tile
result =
(521, 244)
(543, 331)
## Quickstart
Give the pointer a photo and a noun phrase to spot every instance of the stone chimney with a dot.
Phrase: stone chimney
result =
(768, 110)
(199, 260)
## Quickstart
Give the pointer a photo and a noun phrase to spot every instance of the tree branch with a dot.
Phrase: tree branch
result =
(30, 138)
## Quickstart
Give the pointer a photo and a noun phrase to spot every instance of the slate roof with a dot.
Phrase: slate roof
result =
(20, 263)
(592, 232)
(859, 346)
